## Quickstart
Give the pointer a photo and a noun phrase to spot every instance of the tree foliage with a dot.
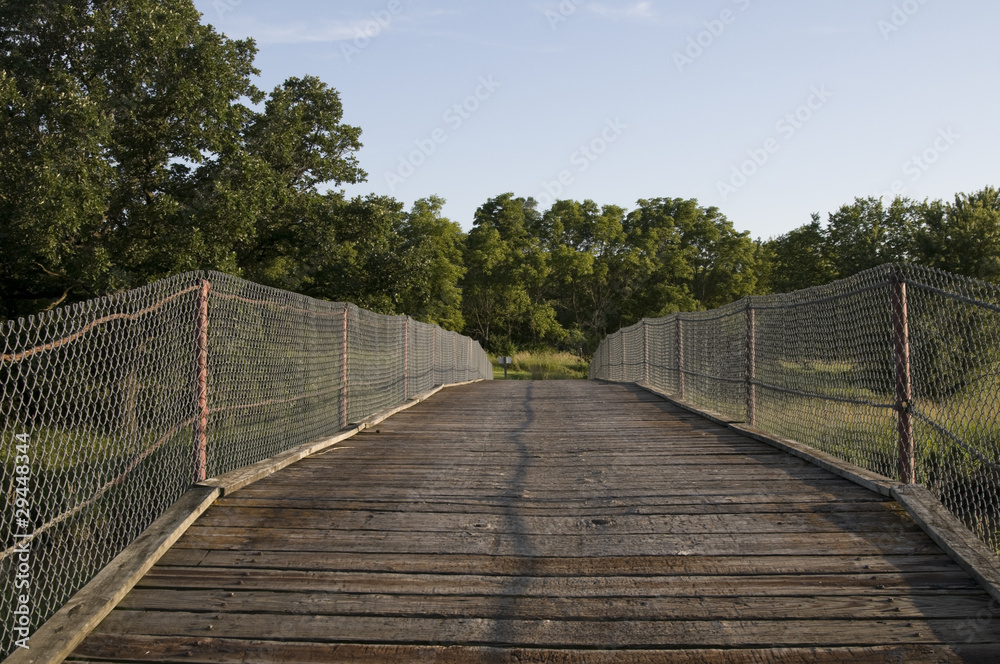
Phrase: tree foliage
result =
(129, 152)
(961, 236)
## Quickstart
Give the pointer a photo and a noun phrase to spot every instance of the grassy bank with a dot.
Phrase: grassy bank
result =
(543, 365)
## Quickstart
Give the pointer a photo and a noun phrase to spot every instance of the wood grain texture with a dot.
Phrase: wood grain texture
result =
(552, 522)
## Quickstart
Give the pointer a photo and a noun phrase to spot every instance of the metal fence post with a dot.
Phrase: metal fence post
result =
(406, 358)
(680, 358)
(751, 364)
(201, 423)
(904, 383)
(645, 352)
(343, 370)
(434, 354)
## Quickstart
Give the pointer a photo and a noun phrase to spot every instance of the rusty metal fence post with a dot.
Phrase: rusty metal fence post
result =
(406, 359)
(751, 364)
(680, 358)
(343, 369)
(201, 420)
(645, 351)
(903, 379)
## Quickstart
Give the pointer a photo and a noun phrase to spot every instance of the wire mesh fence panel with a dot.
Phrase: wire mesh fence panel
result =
(98, 418)
(273, 358)
(824, 369)
(112, 408)
(421, 357)
(442, 351)
(896, 369)
(713, 359)
(375, 363)
(633, 353)
(954, 339)
(662, 355)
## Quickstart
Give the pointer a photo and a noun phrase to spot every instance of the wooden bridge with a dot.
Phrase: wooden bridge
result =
(552, 522)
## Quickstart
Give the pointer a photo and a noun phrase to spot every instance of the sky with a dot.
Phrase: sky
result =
(769, 111)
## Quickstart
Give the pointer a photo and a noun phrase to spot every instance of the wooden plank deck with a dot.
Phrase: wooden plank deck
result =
(552, 522)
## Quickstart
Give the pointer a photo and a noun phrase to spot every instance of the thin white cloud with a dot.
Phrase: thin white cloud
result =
(299, 32)
(641, 11)
(465, 37)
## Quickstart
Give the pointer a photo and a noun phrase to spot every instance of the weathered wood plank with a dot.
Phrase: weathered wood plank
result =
(916, 583)
(450, 563)
(654, 544)
(547, 633)
(415, 520)
(373, 602)
(948, 532)
(676, 505)
(211, 650)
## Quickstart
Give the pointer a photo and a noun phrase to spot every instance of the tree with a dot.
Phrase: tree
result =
(723, 259)
(434, 247)
(506, 276)
(584, 242)
(295, 145)
(128, 153)
(658, 266)
(963, 236)
(800, 259)
(866, 234)
(108, 106)
(363, 258)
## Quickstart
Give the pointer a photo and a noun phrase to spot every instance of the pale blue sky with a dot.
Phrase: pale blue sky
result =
(873, 83)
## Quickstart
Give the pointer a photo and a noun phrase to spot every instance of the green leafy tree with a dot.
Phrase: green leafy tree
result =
(364, 260)
(657, 266)
(799, 259)
(128, 153)
(109, 109)
(507, 270)
(584, 245)
(723, 259)
(295, 145)
(866, 234)
(434, 247)
(962, 236)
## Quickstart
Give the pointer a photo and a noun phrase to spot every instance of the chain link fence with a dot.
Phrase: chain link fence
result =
(112, 408)
(896, 370)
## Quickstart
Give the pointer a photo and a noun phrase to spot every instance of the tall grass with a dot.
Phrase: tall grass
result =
(543, 365)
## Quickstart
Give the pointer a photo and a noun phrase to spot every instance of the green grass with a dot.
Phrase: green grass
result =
(543, 365)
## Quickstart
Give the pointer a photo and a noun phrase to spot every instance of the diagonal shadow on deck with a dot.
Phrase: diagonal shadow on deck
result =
(552, 522)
